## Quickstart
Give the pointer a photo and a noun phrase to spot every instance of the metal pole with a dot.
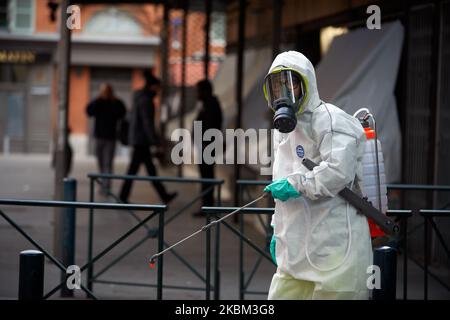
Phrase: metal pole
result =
(217, 254)
(241, 249)
(386, 259)
(61, 142)
(31, 275)
(425, 269)
(435, 116)
(241, 259)
(405, 259)
(68, 221)
(239, 87)
(208, 258)
(404, 94)
(164, 50)
(160, 260)
(206, 58)
(436, 94)
(90, 271)
(276, 21)
(183, 73)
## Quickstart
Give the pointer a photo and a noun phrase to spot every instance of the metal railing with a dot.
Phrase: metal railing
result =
(263, 253)
(406, 233)
(97, 178)
(402, 217)
(428, 219)
(155, 209)
(242, 192)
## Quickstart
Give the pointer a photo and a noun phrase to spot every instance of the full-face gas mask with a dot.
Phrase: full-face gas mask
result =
(285, 92)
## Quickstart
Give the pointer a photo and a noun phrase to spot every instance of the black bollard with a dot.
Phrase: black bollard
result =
(386, 259)
(31, 275)
(68, 232)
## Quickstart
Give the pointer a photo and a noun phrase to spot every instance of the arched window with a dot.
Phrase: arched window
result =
(217, 31)
(112, 21)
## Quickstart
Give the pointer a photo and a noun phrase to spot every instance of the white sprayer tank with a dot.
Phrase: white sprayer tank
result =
(370, 180)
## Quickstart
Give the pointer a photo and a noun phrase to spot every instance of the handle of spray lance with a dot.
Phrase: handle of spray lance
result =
(365, 207)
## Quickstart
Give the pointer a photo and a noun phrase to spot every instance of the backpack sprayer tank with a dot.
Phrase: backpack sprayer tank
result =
(374, 178)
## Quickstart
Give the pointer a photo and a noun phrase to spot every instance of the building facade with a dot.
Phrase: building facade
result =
(113, 44)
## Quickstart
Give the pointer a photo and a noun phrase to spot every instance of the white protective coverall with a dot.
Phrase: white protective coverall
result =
(323, 246)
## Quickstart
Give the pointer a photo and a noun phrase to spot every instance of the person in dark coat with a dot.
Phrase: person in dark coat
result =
(210, 116)
(142, 135)
(107, 110)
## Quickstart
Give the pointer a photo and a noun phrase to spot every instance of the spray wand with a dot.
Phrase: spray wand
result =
(204, 228)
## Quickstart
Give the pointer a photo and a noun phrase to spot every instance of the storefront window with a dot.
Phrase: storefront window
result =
(21, 16)
(217, 32)
(176, 32)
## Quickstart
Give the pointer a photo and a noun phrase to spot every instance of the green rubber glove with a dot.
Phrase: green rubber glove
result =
(281, 189)
(273, 244)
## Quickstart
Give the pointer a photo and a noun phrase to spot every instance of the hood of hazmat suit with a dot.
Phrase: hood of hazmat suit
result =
(320, 238)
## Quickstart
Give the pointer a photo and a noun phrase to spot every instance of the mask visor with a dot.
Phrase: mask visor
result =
(285, 85)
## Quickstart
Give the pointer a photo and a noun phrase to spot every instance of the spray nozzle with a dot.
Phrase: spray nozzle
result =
(152, 263)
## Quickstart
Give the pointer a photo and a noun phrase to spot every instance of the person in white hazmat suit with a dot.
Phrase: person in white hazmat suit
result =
(321, 245)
